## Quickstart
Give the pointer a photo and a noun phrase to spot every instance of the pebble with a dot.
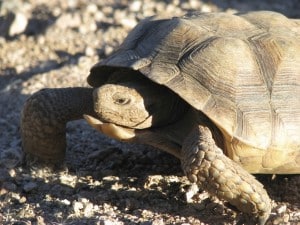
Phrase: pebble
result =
(190, 193)
(195, 4)
(66, 202)
(281, 209)
(18, 25)
(111, 178)
(109, 222)
(88, 210)
(128, 23)
(135, 6)
(68, 180)
(22, 200)
(158, 222)
(68, 21)
(108, 50)
(77, 207)
(206, 8)
(15, 195)
(106, 222)
(90, 51)
(30, 186)
(92, 8)
(72, 3)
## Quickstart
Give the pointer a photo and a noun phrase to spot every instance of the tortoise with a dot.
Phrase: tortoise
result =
(219, 91)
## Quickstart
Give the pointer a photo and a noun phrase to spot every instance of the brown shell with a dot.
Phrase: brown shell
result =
(242, 71)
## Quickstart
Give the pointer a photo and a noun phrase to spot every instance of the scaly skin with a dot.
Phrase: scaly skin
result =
(46, 113)
(44, 118)
(206, 165)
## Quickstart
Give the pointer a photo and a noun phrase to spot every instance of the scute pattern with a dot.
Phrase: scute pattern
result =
(242, 71)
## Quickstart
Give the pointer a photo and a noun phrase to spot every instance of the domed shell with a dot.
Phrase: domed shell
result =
(242, 71)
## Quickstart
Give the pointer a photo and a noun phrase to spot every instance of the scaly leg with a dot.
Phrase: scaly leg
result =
(44, 118)
(205, 164)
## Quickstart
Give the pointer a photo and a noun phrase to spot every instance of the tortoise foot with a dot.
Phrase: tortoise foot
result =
(206, 165)
(44, 118)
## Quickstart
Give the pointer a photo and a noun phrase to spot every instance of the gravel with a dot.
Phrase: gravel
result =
(54, 44)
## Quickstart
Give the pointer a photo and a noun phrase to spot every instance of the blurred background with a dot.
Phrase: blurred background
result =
(53, 43)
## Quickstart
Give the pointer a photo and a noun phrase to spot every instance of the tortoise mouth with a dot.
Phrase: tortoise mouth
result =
(109, 129)
(98, 121)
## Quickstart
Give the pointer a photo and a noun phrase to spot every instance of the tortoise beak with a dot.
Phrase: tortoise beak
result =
(110, 129)
(92, 121)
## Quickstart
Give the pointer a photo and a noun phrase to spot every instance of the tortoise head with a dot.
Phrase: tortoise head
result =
(130, 99)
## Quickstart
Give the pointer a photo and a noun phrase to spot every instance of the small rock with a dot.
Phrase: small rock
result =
(40, 220)
(106, 222)
(109, 222)
(99, 16)
(68, 180)
(12, 172)
(88, 210)
(128, 23)
(72, 3)
(111, 178)
(190, 193)
(277, 221)
(146, 214)
(90, 51)
(108, 50)
(83, 200)
(19, 24)
(158, 222)
(30, 186)
(135, 6)
(66, 202)
(68, 21)
(77, 206)
(92, 8)
(83, 29)
(3, 191)
(205, 8)
(286, 218)
(195, 4)
(281, 209)
(22, 200)
(57, 11)
(15, 196)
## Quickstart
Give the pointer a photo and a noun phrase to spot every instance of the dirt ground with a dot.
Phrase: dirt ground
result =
(54, 44)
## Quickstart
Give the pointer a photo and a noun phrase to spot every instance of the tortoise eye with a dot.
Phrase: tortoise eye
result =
(122, 101)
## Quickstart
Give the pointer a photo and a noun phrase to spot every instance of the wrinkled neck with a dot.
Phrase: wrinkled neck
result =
(168, 110)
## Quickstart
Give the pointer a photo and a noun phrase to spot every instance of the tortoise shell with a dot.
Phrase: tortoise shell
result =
(242, 71)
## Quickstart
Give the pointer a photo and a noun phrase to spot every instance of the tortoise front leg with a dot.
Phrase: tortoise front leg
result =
(205, 164)
(44, 118)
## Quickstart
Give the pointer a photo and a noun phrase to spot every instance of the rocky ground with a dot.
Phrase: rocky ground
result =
(53, 44)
